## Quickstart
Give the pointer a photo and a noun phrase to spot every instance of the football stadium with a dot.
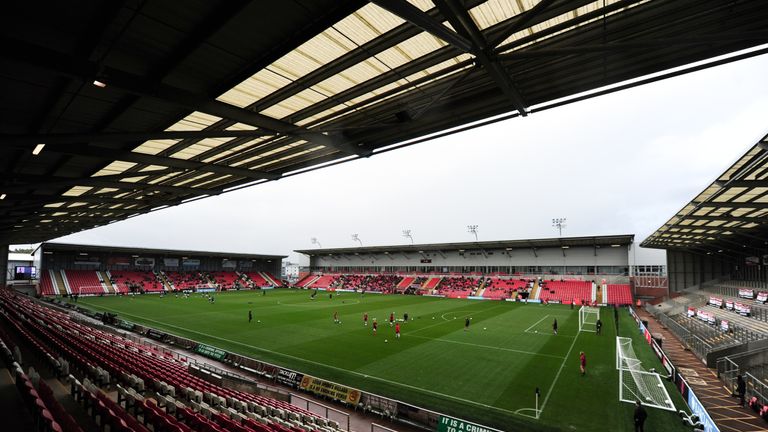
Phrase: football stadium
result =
(115, 112)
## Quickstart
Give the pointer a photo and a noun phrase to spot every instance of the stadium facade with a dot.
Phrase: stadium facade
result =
(588, 258)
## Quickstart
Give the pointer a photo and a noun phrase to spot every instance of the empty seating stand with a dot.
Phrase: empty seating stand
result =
(503, 288)
(184, 402)
(566, 291)
(84, 282)
(620, 294)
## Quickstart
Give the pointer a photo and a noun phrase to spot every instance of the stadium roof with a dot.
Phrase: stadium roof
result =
(144, 105)
(558, 242)
(729, 216)
(70, 247)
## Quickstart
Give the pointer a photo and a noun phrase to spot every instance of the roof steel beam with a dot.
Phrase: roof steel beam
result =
(111, 154)
(521, 22)
(459, 18)
(420, 19)
(105, 182)
(720, 38)
(87, 71)
(113, 137)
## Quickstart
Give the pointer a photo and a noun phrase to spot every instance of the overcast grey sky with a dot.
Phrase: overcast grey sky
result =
(617, 164)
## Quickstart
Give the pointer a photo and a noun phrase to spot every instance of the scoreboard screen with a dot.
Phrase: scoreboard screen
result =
(25, 272)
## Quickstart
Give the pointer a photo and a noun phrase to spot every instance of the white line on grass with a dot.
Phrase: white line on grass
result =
(567, 356)
(443, 322)
(485, 346)
(321, 364)
(536, 323)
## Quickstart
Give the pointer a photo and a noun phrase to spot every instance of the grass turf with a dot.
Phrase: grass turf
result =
(486, 374)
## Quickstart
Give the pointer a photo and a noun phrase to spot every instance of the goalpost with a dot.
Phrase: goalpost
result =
(637, 384)
(588, 317)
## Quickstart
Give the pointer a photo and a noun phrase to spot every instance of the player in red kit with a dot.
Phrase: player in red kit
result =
(375, 326)
(397, 330)
(365, 318)
(583, 363)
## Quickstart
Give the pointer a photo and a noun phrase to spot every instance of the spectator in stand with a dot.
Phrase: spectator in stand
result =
(741, 389)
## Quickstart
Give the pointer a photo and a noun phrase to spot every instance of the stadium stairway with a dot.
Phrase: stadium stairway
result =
(61, 282)
(431, 283)
(713, 394)
(104, 277)
(536, 291)
(404, 284)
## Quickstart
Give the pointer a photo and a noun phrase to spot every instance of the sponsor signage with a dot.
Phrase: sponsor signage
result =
(450, 424)
(227, 264)
(190, 262)
(329, 389)
(144, 262)
(289, 378)
(746, 293)
(171, 262)
(119, 261)
(426, 261)
(742, 308)
(752, 261)
(698, 409)
(211, 352)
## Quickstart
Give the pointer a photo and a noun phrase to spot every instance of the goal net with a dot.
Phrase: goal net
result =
(637, 384)
(588, 317)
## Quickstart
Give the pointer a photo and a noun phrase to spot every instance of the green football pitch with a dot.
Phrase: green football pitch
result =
(487, 374)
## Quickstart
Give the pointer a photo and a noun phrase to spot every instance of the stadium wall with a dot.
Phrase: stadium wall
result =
(687, 269)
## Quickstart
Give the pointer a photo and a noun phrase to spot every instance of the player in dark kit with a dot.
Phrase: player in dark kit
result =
(391, 319)
(554, 326)
(250, 316)
(466, 323)
(336, 318)
(640, 416)
(365, 318)
(598, 326)
(375, 326)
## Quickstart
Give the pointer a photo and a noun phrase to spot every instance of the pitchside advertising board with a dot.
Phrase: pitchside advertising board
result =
(450, 424)
(329, 389)
(746, 293)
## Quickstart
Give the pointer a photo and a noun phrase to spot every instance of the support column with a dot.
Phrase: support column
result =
(3, 265)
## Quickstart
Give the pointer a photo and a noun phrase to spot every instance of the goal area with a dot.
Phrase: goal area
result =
(637, 384)
(588, 317)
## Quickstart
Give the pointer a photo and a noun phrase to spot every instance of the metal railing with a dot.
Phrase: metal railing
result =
(379, 428)
(330, 413)
(728, 370)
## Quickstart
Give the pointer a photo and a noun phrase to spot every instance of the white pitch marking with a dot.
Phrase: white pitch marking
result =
(486, 346)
